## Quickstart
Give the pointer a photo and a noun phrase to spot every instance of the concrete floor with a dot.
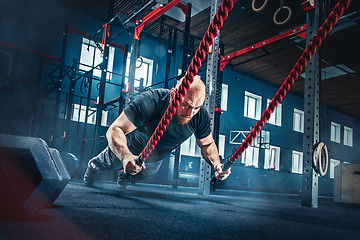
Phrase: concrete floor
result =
(159, 212)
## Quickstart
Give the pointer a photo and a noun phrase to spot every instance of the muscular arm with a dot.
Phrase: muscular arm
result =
(209, 150)
(118, 144)
(210, 153)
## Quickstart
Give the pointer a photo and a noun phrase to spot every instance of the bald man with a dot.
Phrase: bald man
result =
(129, 133)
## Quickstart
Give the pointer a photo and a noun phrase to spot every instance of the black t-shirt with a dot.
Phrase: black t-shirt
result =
(146, 110)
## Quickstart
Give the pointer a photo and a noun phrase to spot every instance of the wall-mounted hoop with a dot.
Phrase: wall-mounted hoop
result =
(277, 12)
(259, 8)
(319, 166)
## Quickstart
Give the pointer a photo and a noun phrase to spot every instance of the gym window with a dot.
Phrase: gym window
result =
(252, 106)
(335, 132)
(221, 146)
(251, 157)
(91, 56)
(298, 120)
(144, 69)
(189, 147)
(79, 114)
(276, 115)
(348, 136)
(224, 97)
(272, 158)
(297, 162)
(333, 164)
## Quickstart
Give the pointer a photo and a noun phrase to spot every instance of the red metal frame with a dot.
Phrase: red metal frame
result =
(160, 10)
(41, 54)
(184, 8)
(308, 5)
(295, 31)
(76, 31)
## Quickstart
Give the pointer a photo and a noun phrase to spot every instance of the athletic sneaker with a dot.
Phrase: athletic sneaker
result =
(123, 179)
(90, 175)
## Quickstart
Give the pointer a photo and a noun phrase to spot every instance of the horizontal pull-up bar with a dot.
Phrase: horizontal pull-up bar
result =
(295, 31)
(160, 10)
(40, 54)
(88, 35)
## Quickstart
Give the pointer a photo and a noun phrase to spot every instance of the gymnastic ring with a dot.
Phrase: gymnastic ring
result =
(276, 13)
(260, 8)
(141, 62)
(318, 166)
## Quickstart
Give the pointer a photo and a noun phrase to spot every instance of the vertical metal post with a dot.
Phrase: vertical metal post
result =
(103, 67)
(70, 103)
(168, 58)
(61, 77)
(134, 53)
(175, 181)
(36, 120)
(186, 39)
(183, 69)
(309, 192)
(211, 79)
(122, 98)
(174, 46)
(84, 140)
(217, 112)
(141, 85)
(100, 106)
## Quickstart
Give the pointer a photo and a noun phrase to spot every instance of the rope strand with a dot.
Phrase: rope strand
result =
(212, 31)
(293, 75)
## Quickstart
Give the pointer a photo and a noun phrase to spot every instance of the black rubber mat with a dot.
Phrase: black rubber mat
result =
(159, 212)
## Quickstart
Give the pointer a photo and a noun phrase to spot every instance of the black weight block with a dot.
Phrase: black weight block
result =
(72, 163)
(32, 175)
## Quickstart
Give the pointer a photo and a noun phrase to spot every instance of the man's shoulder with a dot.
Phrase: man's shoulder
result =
(201, 118)
(158, 91)
(158, 95)
(201, 124)
(203, 113)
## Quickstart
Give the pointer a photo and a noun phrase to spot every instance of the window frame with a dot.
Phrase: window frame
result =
(190, 148)
(257, 105)
(335, 131)
(267, 161)
(333, 163)
(90, 45)
(91, 119)
(299, 168)
(348, 138)
(224, 97)
(301, 120)
(276, 116)
(251, 157)
(150, 67)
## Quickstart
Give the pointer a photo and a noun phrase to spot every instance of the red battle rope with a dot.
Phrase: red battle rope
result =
(212, 31)
(293, 75)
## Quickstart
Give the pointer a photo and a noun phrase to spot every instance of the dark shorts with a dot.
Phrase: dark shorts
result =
(107, 160)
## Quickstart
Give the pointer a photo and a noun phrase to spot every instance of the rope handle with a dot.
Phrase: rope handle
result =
(227, 164)
(124, 177)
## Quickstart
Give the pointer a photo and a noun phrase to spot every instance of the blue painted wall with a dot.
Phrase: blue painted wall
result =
(283, 136)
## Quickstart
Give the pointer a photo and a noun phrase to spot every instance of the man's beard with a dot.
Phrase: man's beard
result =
(182, 119)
